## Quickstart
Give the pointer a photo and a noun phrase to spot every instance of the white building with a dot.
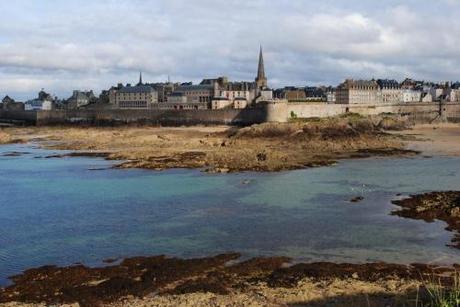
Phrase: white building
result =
(390, 91)
(452, 95)
(436, 93)
(426, 97)
(409, 96)
(358, 92)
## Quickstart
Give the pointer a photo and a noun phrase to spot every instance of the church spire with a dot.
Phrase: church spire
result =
(261, 79)
(140, 78)
(261, 69)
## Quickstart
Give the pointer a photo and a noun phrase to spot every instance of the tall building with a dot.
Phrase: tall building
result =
(140, 96)
(391, 91)
(358, 92)
(80, 99)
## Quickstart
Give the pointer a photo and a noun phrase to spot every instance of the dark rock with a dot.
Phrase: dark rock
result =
(357, 199)
(444, 206)
(261, 157)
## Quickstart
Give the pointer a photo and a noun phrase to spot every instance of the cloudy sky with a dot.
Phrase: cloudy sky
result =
(87, 44)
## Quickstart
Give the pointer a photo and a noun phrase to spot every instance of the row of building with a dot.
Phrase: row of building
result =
(220, 93)
(391, 92)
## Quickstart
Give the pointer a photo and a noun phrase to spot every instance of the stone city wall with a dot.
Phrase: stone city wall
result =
(18, 116)
(268, 112)
(153, 117)
(417, 112)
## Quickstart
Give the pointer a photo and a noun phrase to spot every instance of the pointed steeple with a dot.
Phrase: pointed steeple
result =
(140, 78)
(261, 68)
(261, 79)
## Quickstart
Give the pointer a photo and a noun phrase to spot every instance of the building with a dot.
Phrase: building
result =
(178, 101)
(331, 95)
(9, 104)
(358, 92)
(236, 95)
(409, 96)
(80, 99)
(408, 84)
(452, 94)
(426, 97)
(164, 90)
(44, 101)
(139, 96)
(7, 99)
(316, 93)
(200, 95)
(390, 91)
(437, 93)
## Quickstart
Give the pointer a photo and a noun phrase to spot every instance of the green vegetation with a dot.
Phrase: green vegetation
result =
(440, 293)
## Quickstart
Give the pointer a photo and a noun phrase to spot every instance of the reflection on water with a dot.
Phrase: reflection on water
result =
(63, 211)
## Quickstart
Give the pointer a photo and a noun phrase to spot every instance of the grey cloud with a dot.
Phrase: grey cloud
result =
(62, 45)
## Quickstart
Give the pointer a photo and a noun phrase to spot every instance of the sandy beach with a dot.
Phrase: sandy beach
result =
(434, 140)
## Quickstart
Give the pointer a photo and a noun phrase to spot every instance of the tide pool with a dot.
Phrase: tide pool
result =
(80, 210)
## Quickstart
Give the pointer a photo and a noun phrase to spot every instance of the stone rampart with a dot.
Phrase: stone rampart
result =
(267, 112)
(153, 117)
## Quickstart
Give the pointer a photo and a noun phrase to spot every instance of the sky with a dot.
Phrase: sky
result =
(87, 44)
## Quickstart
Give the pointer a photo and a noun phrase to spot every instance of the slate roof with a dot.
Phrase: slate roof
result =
(388, 84)
(200, 87)
(137, 89)
(7, 99)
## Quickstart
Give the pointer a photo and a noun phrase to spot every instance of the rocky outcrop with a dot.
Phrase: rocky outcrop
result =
(444, 206)
(159, 276)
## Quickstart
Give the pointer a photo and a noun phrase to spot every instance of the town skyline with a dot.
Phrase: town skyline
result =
(46, 45)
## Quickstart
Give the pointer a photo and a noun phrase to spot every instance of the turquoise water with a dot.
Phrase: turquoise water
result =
(72, 210)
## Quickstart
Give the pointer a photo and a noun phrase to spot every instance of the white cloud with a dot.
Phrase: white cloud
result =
(63, 45)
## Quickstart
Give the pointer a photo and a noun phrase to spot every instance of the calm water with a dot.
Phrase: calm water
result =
(63, 211)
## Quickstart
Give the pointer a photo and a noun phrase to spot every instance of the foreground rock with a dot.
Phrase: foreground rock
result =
(267, 147)
(160, 279)
(444, 206)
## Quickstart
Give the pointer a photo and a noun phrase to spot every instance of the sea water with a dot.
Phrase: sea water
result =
(63, 211)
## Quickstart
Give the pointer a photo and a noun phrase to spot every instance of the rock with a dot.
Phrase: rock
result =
(444, 206)
(455, 212)
(357, 199)
(261, 157)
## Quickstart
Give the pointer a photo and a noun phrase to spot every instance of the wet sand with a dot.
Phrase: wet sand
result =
(434, 140)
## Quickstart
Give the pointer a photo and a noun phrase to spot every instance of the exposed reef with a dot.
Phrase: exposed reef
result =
(444, 206)
(140, 277)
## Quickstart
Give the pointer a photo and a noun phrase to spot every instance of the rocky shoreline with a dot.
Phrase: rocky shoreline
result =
(267, 147)
(444, 206)
(160, 277)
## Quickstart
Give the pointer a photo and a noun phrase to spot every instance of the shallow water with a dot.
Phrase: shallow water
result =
(63, 211)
